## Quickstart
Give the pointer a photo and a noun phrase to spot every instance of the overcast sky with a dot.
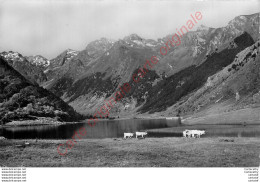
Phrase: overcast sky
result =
(49, 27)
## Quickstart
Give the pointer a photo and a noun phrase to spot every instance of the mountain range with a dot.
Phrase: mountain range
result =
(204, 70)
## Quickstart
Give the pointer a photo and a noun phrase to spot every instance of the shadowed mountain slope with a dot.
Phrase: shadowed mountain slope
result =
(20, 99)
(170, 90)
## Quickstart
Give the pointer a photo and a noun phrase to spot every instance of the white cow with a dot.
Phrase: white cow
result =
(140, 134)
(186, 133)
(197, 133)
(193, 133)
(129, 135)
(2, 138)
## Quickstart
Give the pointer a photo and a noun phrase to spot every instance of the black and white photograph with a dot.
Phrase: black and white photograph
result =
(129, 84)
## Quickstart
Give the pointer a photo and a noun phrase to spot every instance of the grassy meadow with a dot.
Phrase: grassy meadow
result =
(149, 152)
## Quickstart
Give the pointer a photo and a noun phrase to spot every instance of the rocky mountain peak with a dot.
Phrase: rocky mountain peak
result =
(12, 56)
(134, 40)
(133, 37)
(102, 42)
(71, 53)
(31, 71)
(248, 23)
(38, 60)
(63, 58)
(96, 48)
(203, 28)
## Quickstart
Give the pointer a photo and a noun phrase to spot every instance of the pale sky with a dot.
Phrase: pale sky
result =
(47, 27)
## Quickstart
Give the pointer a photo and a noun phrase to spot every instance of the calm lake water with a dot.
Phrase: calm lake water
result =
(116, 129)
(102, 129)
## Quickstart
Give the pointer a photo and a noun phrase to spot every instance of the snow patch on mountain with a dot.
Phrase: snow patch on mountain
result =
(14, 56)
(71, 54)
(38, 60)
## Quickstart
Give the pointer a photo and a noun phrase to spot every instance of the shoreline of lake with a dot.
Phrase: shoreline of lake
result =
(36, 122)
(52, 121)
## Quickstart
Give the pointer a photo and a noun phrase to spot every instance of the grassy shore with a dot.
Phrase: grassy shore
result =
(149, 152)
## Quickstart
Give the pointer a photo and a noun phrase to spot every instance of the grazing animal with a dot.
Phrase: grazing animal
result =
(129, 135)
(140, 134)
(186, 133)
(197, 133)
(2, 138)
(193, 133)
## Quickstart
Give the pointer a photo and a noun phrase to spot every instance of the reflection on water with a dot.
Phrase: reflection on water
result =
(116, 128)
(102, 129)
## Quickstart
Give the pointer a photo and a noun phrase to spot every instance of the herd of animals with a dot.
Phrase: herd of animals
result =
(186, 134)
(193, 133)
(137, 134)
